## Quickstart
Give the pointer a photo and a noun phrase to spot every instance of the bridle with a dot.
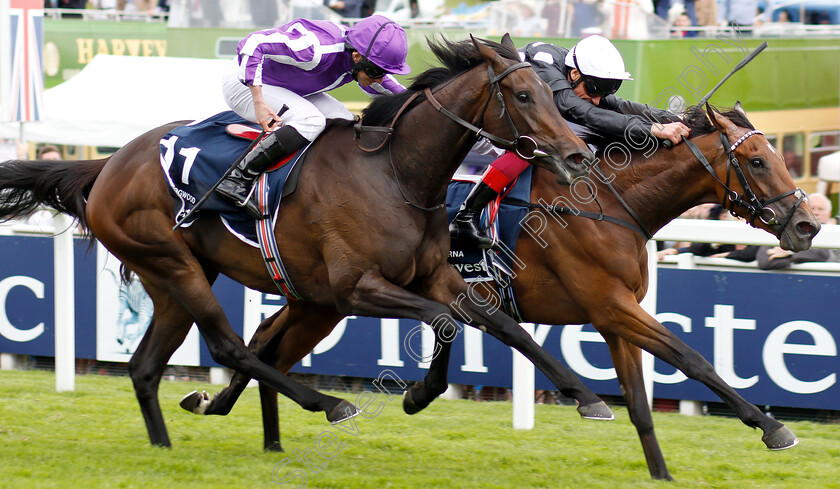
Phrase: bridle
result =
(519, 143)
(524, 146)
(756, 207)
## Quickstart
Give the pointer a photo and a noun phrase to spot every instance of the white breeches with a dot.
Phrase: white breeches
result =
(308, 115)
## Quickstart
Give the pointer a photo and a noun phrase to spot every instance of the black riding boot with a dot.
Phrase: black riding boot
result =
(464, 227)
(238, 186)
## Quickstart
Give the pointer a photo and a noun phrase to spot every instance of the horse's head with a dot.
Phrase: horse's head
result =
(758, 186)
(521, 109)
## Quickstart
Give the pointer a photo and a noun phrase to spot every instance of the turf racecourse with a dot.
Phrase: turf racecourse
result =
(95, 438)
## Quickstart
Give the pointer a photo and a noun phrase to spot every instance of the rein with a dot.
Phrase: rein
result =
(516, 144)
(600, 216)
(756, 207)
(524, 146)
(519, 144)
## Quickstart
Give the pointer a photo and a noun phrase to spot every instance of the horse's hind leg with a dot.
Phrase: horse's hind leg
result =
(167, 330)
(282, 340)
(267, 332)
(307, 324)
(270, 419)
(627, 359)
(185, 280)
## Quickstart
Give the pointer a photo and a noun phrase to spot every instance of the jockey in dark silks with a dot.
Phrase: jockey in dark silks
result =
(583, 81)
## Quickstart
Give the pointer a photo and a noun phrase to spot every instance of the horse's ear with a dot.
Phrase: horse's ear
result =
(720, 122)
(710, 112)
(484, 50)
(475, 43)
(508, 42)
(740, 108)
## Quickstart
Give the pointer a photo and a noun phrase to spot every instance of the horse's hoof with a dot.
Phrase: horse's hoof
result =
(597, 410)
(344, 411)
(274, 447)
(781, 439)
(195, 402)
(409, 406)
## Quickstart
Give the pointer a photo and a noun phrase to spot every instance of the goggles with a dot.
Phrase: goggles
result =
(372, 70)
(600, 87)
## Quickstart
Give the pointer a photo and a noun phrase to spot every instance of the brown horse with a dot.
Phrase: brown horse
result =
(578, 270)
(350, 242)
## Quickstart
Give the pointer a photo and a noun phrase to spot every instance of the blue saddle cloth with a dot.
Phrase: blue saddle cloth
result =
(195, 156)
(472, 262)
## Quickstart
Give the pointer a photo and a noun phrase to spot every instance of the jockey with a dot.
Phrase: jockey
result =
(295, 64)
(583, 81)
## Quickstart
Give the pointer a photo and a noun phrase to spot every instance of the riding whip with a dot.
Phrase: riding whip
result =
(737, 67)
(667, 143)
(207, 195)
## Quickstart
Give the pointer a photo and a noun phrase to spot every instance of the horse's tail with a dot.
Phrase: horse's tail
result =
(62, 185)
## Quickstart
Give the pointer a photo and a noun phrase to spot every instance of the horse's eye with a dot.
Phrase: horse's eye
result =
(523, 97)
(757, 162)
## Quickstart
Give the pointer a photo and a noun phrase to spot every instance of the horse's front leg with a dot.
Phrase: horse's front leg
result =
(626, 318)
(627, 359)
(472, 308)
(435, 383)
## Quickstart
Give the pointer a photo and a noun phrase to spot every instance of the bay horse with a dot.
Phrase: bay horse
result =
(362, 235)
(578, 270)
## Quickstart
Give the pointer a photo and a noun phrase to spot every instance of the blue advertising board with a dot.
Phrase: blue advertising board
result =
(770, 335)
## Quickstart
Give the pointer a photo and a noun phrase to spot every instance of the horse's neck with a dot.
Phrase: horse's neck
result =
(429, 147)
(657, 189)
(660, 188)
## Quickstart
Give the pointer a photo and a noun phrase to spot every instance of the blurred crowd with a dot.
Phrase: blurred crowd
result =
(765, 257)
(615, 19)
(143, 6)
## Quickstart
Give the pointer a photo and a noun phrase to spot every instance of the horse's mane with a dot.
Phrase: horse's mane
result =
(697, 120)
(457, 57)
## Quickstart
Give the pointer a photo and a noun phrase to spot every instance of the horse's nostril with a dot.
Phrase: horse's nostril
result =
(807, 228)
(577, 159)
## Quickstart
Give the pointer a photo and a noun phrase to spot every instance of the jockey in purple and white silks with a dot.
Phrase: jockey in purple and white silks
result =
(296, 64)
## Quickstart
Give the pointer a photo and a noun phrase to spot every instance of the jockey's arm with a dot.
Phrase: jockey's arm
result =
(389, 86)
(611, 102)
(265, 115)
(665, 125)
(609, 123)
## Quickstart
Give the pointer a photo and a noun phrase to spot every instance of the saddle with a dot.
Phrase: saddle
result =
(504, 223)
(195, 156)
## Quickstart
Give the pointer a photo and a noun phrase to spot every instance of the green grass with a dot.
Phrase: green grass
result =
(95, 437)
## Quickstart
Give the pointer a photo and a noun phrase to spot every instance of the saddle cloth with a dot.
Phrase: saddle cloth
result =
(478, 265)
(195, 156)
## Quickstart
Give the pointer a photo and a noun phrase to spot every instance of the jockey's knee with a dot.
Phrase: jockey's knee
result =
(309, 126)
(510, 164)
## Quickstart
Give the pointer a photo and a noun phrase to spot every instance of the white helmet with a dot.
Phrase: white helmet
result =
(596, 56)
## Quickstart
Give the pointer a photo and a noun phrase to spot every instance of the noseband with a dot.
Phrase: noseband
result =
(756, 207)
